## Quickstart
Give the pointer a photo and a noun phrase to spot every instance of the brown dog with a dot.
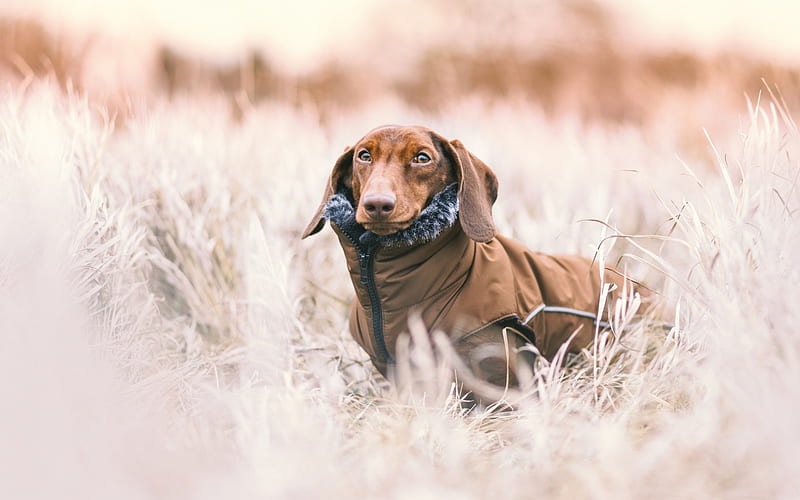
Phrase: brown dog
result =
(412, 211)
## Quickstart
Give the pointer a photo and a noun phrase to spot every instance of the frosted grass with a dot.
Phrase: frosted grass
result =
(167, 335)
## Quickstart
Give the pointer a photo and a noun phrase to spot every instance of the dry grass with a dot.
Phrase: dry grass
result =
(166, 334)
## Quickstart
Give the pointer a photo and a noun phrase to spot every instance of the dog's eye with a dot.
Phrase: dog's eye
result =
(364, 156)
(422, 158)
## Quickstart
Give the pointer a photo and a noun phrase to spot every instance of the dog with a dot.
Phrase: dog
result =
(413, 214)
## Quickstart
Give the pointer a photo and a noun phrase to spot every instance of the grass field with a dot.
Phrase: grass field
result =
(167, 335)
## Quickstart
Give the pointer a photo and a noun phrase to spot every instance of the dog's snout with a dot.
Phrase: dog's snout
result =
(379, 205)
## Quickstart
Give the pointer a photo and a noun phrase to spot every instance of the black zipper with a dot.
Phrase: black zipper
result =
(366, 247)
(367, 263)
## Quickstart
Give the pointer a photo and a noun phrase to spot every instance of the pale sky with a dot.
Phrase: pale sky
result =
(767, 28)
(387, 34)
(305, 30)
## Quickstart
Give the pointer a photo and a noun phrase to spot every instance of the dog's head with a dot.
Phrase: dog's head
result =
(393, 172)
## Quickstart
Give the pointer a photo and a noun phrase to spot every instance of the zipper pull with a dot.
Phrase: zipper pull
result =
(366, 244)
(362, 260)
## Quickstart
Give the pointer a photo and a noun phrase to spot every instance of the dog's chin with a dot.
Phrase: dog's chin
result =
(386, 228)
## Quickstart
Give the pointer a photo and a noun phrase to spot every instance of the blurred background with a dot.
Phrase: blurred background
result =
(624, 62)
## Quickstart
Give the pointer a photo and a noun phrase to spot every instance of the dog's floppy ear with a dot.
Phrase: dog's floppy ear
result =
(477, 192)
(342, 173)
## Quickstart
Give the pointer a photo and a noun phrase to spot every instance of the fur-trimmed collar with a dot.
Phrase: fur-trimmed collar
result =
(439, 215)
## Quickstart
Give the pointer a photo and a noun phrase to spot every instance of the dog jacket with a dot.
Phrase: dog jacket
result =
(464, 287)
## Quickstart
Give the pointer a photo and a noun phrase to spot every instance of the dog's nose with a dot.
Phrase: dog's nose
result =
(379, 205)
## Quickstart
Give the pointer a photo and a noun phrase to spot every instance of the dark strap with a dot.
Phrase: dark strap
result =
(514, 323)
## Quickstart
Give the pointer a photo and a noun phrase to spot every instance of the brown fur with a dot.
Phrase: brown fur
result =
(391, 171)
